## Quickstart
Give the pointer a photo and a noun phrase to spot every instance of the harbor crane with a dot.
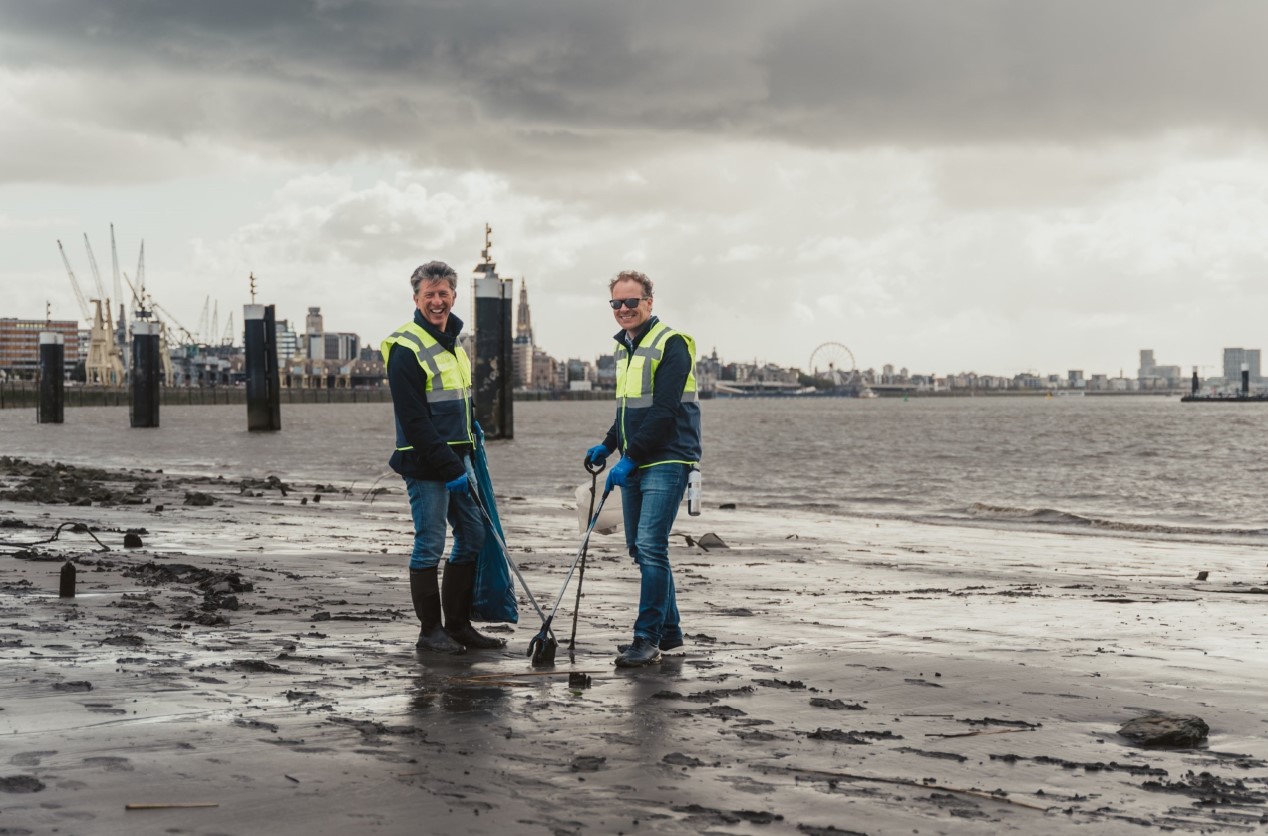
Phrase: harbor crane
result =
(118, 288)
(167, 319)
(74, 283)
(96, 274)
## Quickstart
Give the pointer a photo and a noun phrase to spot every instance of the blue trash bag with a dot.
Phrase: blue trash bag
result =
(493, 598)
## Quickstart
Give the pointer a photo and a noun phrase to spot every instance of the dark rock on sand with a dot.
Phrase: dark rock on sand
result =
(854, 738)
(826, 830)
(1166, 730)
(835, 705)
(21, 783)
(132, 541)
(256, 666)
(716, 817)
(199, 499)
(127, 640)
(588, 763)
(78, 685)
(924, 753)
(1210, 789)
(793, 684)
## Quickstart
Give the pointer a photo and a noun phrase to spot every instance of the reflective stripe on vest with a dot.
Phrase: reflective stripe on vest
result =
(448, 387)
(635, 378)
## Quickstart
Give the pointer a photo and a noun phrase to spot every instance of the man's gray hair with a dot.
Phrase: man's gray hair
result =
(634, 276)
(434, 271)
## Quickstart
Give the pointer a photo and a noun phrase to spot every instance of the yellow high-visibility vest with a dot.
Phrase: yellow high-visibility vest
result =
(448, 389)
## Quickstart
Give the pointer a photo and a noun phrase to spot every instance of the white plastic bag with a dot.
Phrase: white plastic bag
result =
(610, 517)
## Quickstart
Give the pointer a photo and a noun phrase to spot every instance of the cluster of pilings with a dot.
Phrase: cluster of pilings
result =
(492, 373)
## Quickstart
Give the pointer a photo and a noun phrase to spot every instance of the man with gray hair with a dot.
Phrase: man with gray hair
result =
(430, 377)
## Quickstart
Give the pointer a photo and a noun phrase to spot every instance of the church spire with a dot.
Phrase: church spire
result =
(524, 319)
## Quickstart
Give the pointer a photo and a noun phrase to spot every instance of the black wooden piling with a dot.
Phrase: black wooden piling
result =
(493, 372)
(264, 403)
(49, 407)
(146, 373)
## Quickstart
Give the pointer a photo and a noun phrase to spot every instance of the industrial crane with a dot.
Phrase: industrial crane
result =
(96, 274)
(149, 303)
(228, 338)
(79, 294)
(118, 288)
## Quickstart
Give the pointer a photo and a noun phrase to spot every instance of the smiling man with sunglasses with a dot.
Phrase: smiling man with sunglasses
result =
(657, 430)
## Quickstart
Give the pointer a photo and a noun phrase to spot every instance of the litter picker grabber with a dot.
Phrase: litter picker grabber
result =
(543, 645)
(506, 554)
(594, 472)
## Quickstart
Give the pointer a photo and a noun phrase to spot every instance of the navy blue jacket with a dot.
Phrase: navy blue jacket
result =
(659, 427)
(432, 457)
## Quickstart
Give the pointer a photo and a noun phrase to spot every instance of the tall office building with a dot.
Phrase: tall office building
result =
(1235, 357)
(287, 342)
(314, 331)
(1147, 363)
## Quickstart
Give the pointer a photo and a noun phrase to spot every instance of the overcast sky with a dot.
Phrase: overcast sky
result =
(947, 186)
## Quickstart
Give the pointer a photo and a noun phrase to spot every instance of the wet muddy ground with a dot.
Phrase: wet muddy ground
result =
(254, 653)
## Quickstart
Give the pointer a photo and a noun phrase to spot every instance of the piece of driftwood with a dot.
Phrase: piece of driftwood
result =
(847, 776)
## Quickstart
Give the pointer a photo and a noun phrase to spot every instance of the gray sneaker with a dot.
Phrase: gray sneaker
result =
(639, 654)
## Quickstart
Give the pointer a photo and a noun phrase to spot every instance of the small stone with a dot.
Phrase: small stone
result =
(1178, 731)
(1203, 575)
(132, 541)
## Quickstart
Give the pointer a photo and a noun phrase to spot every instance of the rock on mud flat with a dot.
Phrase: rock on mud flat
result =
(1166, 730)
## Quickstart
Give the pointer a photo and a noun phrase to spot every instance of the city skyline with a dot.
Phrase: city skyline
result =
(1050, 185)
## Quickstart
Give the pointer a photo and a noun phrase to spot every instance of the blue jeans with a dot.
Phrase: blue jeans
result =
(650, 502)
(431, 505)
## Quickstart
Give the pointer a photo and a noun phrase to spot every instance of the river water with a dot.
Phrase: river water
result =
(1141, 466)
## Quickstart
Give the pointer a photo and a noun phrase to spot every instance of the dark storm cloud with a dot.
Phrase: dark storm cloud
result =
(508, 83)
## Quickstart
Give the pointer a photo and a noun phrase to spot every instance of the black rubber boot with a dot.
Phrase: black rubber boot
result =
(642, 652)
(458, 588)
(425, 591)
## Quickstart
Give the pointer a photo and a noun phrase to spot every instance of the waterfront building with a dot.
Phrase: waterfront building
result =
(20, 345)
(605, 371)
(288, 344)
(1147, 364)
(547, 373)
(1233, 360)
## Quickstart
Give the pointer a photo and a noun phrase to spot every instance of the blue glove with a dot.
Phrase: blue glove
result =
(619, 473)
(478, 432)
(597, 455)
(459, 485)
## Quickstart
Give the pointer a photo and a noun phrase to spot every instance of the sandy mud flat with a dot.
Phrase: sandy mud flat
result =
(255, 654)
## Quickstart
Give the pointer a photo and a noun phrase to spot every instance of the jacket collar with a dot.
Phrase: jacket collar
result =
(448, 337)
(623, 336)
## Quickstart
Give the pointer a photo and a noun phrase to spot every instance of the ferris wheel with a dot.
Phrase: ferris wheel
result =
(834, 362)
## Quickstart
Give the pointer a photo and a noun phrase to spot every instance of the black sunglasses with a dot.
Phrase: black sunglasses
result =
(631, 303)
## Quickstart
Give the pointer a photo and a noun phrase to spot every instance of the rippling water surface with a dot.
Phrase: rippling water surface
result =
(1133, 464)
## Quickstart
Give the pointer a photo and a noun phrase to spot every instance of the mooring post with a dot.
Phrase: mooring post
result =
(146, 372)
(264, 405)
(49, 407)
(493, 377)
